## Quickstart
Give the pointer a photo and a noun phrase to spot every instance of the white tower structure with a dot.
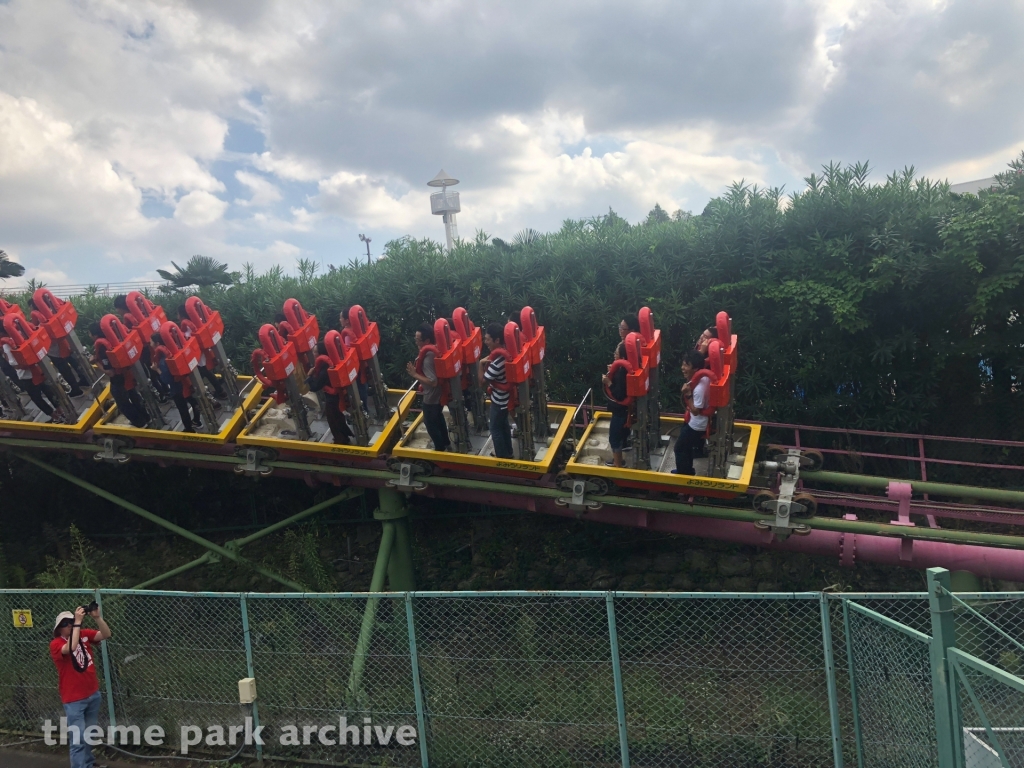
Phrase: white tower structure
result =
(445, 204)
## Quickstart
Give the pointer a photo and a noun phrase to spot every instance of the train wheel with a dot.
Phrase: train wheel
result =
(761, 497)
(810, 505)
(772, 452)
(811, 461)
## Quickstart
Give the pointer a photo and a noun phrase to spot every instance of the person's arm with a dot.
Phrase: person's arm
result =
(318, 379)
(428, 377)
(101, 625)
(76, 632)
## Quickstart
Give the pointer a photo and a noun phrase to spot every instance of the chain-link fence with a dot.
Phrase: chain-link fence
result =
(522, 678)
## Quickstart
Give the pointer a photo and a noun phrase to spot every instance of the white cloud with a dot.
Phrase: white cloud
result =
(290, 168)
(110, 109)
(53, 186)
(199, 209)
(263, 192)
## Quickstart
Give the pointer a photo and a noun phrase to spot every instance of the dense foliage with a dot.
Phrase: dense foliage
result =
(891, 306)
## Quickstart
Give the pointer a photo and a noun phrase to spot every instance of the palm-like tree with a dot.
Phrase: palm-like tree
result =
(201, 271)
(9, 268)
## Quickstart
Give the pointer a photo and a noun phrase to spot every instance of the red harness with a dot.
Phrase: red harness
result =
(322, 363)
(35, 370)
(709, 410)
(504, 386)
(619, 365)
(445, 393)
(161, 353)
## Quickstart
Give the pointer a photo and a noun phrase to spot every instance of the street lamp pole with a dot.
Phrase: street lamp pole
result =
(366, 240)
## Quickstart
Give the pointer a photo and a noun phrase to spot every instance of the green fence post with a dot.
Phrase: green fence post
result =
(940, 603)
(620, 699)
(106, 668)
(858, 739)
(414, 659)
(251, 671)
(830, 679)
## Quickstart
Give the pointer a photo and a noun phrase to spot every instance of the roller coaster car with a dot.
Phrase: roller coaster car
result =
(182, 357)
(292, 421)
(524, 356)
(594, 451)
(416, 445)
(30, 348)
(229, 421)
(729, 465)
(273, 427)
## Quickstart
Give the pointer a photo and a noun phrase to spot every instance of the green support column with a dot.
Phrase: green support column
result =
(620, 699)
(830, 681)
(940, 603)
(106, 668)
(401, 575)
(414, 659)
(394, 561)
(380, 570)
(251, 671)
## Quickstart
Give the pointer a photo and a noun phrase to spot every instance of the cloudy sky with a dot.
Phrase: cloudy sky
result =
(134, 132)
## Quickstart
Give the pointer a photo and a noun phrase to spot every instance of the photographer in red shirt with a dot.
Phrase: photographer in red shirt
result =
(71, 651)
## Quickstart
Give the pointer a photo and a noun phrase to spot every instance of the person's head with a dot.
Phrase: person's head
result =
(280, 318)
(628, 324)
(121, 302)
(620, 351)
(705, 339)
(32, 303)
(343, 320)
(321, 348)
(156, 339)
(692, 361)
(96, 330)
(63, 625)
(424, 335)
(494, 337)
(182, 312)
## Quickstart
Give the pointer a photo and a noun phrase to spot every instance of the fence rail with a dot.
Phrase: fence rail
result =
(507, 678)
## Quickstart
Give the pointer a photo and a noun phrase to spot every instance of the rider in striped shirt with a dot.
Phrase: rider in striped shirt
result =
(493, 373)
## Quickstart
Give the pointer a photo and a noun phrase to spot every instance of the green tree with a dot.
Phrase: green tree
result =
(9, 268)
(199, 270)
(657, 215)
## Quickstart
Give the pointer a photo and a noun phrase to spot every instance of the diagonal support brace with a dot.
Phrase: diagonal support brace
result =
(156, 519)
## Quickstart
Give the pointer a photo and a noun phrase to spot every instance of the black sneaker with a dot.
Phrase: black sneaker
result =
(197, 423)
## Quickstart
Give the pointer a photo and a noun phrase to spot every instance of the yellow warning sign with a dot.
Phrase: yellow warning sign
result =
(22, 618)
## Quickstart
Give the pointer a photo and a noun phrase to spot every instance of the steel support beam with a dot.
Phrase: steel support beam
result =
(698, 510)
(156, 519)
(236, 544)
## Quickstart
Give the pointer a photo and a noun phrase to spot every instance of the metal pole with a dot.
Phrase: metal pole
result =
(830, 679)
(940, 603)
(250, 670)
(106, 667)
(393, 509)
(620, 699)
(162, 523)
(401, 577)
(380, 570)
(939, 489)
(858, 738)
(343, 496)
(416, 688)
(236, 544)
(206, 557)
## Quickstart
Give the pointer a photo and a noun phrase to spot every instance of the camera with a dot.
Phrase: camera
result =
(90, 607)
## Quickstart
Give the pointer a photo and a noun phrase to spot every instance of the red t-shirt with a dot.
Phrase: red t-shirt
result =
(77, 676)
